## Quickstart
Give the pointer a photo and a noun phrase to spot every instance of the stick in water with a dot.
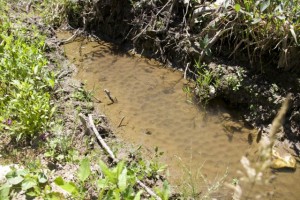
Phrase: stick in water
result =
(107, 92)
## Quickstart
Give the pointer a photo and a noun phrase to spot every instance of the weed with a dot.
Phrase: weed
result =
(60, 149)
(206, 83)
(83, 95)
(192, 187)
(77, 190)
(32, 181)
(113, 183)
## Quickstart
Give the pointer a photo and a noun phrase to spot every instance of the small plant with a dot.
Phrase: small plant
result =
(146, 169)
(206, 83)
(60, 149)
(192, 187)
(188, 91)
(82, 95)
(117, 183)
(32, 181)
(233, 82)
(78, 189)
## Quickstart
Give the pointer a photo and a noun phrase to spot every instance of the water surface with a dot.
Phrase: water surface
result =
(156, 113)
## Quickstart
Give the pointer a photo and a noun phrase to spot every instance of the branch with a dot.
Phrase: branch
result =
(72, 38)
(107, 92)
(102, 142)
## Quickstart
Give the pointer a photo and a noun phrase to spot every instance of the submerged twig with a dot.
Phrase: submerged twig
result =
(120, 124)
(72, 38)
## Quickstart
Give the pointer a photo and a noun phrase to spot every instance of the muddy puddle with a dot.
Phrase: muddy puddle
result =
(153, 111)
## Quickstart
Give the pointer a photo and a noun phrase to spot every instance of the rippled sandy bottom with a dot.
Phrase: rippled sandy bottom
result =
(156, 113)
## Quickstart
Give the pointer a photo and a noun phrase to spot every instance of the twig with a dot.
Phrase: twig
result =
(148, 190)
(72, 38)
(102, 142)
(111, 154)
(107, 92)
(120, 124)
(186, 68)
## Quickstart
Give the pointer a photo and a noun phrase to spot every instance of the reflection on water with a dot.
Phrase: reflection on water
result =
(155, 112)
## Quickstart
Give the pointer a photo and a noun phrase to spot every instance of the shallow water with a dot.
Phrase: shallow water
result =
(156, 113)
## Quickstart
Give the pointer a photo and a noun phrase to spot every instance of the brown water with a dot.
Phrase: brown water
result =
(156, 113)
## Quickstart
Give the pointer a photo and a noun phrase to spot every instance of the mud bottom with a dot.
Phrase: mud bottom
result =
(153, 111)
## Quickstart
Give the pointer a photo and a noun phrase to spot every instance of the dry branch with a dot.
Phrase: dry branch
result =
(102, 142)
(72, 38)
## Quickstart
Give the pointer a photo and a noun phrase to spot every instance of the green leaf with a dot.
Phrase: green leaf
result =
(35, 70)
(166, 190)
(119, 169)
(237, 7)
(84, 170)
(15, 180)
(101, 183)
(67, 186)
(60, 157)
(116, 195)
(48, 154)
(28, 183)
(122, 180)
(264, 5)
(32, 194)
(55, 196)
(106, 171)
(42, 178)
(59, 181)
(51, 82)
(4, 193)
(138, 195)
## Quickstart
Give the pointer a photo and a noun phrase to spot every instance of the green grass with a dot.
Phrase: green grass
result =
(256, 27)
